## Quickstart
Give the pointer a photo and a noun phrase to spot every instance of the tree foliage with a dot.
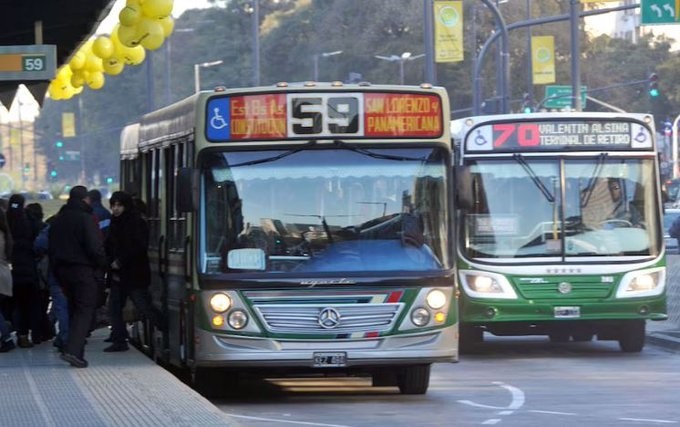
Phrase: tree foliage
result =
(292, 32)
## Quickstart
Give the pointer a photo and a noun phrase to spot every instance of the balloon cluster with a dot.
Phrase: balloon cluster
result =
(143, 24)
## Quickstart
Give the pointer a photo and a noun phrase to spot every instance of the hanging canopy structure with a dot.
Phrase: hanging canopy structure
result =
(64, 23)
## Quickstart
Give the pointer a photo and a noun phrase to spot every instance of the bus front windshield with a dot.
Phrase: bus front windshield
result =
(333, 211)
(525, 207)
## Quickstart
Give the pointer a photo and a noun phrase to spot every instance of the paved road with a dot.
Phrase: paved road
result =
(515, 381)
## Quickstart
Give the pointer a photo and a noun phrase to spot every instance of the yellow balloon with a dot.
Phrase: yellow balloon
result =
(168, 25)
(128, 35)
(151, 33)
(102, 47)
(78, 78)
(113, 65)
(130, 15)
(95, 81)
(77, 90)
(54, 90)
(77, 61)
(157, 8)
(131, 55)
(93, 63)
(64, 73)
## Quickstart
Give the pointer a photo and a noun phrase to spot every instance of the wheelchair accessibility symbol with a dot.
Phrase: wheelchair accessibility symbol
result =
(217, 121)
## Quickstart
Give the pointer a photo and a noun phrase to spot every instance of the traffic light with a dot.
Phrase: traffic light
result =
(53, 174)
(59, 144)
(527, 105)
(653, 85)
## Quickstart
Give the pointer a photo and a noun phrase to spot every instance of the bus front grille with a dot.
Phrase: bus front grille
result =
(345, 318)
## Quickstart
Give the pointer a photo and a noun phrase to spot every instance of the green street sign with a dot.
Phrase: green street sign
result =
(559, 96)
(28, 62)
(657, 12)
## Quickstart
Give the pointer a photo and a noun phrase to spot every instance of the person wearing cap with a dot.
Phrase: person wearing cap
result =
(77, 256)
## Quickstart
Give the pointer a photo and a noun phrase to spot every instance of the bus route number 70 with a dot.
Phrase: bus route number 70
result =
(522, 134)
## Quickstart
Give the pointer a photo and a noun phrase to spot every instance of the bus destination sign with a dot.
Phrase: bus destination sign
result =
(586, 135)
(302, 115)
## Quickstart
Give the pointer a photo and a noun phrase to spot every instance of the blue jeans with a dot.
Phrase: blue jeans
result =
(59, 310)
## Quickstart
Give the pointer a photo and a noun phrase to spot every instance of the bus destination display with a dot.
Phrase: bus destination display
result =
(324, 115)
(559, 135)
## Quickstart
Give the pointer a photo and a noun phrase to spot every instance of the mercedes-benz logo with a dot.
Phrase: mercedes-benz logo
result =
(564, 287)
(329, 318)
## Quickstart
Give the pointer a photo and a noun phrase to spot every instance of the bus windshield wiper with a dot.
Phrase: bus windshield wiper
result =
(274, 158)
(520, 159)
(588, 191)
(369, 153)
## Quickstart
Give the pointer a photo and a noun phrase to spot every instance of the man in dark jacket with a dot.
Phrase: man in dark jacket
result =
(126, 248)
(77, 255)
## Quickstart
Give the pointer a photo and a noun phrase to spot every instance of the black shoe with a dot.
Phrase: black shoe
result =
(109, 339)
(115, 347)
(7, 346)
(74, 360)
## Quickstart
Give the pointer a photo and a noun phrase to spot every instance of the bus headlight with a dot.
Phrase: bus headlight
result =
(436, 299)
(642, 283)
(479, 284)
(220, 302)
(420, 316)
(238, 319)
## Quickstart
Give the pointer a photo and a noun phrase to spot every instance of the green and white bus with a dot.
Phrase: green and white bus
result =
(559, 227)
(300, 229)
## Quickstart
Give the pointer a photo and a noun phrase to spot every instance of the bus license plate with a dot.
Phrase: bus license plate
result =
(567, 312)
(330, 360)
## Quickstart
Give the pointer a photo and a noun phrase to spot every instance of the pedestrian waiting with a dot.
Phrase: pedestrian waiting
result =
(77, 256)
(6, 341)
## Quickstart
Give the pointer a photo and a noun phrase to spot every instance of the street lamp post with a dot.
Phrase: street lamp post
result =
(406, 56)
(322, 55)
(197, 72)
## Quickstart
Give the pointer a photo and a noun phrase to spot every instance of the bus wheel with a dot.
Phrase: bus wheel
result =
(414, 379)
(469, 337)
(632, 337)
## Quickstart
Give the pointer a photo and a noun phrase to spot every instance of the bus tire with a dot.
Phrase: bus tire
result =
(469, 337)
(414, 379)
(632, 338)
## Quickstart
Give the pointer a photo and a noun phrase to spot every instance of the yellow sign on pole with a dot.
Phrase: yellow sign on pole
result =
(14, 137)
(543, 59)
(68, 125)
(448, 31)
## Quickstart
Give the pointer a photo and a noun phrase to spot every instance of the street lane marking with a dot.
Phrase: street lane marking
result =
(647, 420)
(492, 421)
(552, 412)
(516, 402)
(278, 420)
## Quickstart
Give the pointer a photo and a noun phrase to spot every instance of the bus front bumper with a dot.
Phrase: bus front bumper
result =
(217, 350)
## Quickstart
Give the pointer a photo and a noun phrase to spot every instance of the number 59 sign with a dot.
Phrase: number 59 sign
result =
(31, 62)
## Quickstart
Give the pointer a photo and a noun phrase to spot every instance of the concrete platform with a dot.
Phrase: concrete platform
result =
(37, 388)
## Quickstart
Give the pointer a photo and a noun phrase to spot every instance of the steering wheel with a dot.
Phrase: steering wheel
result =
(615, 223)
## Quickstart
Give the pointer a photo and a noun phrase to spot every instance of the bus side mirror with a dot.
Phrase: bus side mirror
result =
(463, 187)
(187, 190)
